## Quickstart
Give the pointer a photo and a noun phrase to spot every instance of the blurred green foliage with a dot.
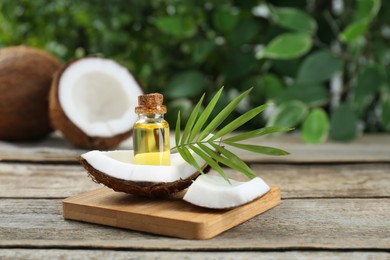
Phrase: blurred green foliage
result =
(324, 64)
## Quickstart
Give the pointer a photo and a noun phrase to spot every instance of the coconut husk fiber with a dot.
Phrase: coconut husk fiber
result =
(25, 78)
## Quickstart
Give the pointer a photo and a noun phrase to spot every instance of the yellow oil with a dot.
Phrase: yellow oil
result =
(151, 143)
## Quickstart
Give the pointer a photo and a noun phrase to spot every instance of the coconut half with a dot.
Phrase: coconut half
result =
(92, 102)
(116, 170)
(214, 192)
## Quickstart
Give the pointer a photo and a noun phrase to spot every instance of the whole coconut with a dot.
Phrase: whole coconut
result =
(25, 78)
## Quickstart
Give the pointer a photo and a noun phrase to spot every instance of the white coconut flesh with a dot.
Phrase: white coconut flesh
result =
(99, 96)
(211, 191)
(119, 164)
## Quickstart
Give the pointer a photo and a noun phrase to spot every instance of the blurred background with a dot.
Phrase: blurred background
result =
(323, 64)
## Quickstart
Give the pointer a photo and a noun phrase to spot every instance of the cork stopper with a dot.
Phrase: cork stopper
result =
(151, 104)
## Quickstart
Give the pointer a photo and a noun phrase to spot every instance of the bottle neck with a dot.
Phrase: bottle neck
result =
(151, 116)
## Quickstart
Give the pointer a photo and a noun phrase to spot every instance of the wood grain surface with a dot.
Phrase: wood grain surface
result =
(27, 180)
(368, 148)
(296, 223)
(39, 254)
(335, 205)
(359, 180)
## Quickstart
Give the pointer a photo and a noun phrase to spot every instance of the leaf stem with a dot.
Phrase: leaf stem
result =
(194, 143)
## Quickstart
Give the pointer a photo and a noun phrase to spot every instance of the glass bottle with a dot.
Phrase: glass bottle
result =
(151, 132)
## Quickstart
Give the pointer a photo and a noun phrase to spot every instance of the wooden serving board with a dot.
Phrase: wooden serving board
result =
(169, 216)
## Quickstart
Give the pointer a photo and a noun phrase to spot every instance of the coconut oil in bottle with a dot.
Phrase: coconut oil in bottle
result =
(151, 132)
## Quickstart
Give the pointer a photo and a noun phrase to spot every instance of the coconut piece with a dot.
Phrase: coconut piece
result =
(116, 170)
(92, 102)
(215, 192)
(25, 78)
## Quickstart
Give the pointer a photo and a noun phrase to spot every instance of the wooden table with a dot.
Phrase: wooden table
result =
(335, 203)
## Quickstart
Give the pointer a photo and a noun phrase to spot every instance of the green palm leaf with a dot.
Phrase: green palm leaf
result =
(187, 156)
(257, 133)
(204, 116)
(228, 160)
(210, 161)
(191, 121)
(258, 149)
(239, 121)
(177, 129)
(222, 115)
(188, 141)
(233, 159)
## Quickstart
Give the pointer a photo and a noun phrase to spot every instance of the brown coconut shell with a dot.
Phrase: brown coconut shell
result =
(146, 189)
(71, 132)
(25, 78)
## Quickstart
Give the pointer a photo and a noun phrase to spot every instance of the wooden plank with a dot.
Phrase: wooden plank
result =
(368, 148)
(296, 181)
(43, 180)
(49, 150)
(171, 216)
(22, 254)
(295, 224)
(326, 181)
